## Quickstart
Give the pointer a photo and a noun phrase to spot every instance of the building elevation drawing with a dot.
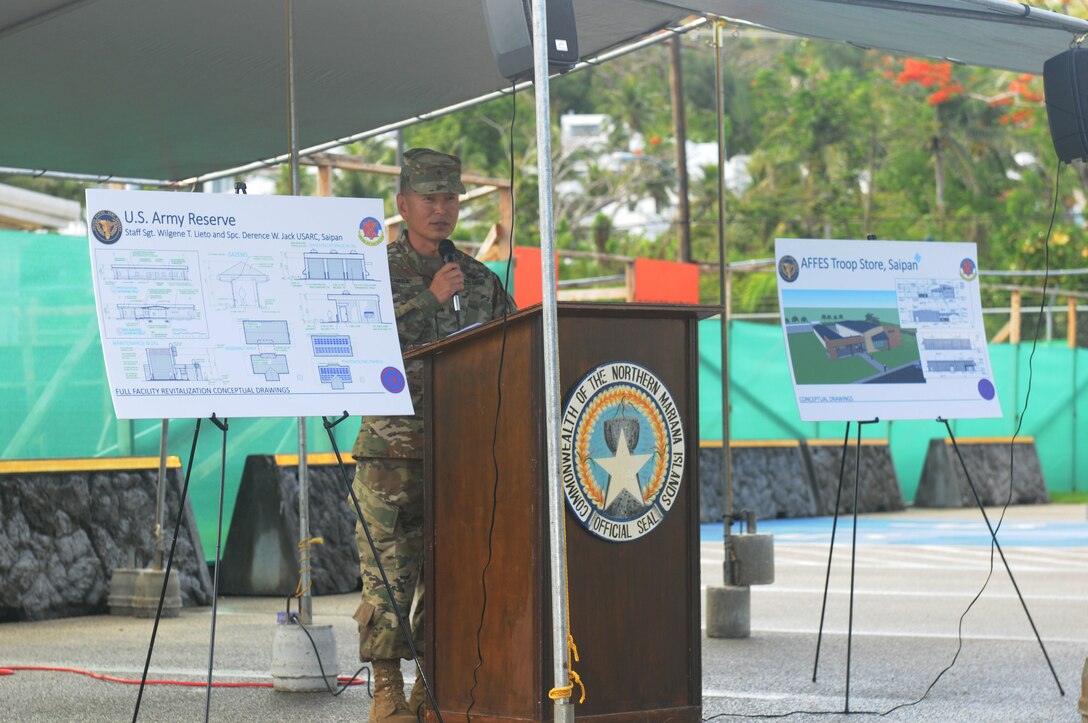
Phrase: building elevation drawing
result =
(166, 312)
(150, 272)
(933, 302)
(321, 266)
(356, 308)
(244, 283)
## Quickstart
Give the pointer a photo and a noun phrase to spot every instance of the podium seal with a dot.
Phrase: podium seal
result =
(622, 451)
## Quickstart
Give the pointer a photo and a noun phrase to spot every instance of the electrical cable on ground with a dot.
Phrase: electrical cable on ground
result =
(344, 680)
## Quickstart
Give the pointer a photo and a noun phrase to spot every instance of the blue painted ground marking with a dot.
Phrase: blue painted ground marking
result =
(876, 531)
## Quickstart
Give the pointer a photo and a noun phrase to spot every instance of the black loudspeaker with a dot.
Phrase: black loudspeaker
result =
(510, 28)
(1065, 86)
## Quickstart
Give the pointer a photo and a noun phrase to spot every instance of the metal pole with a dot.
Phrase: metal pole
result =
(292, 102)
(1073, 426)
(683, 209)
(725, 290)
(160, 501)
(1050, 316)
(563, 710)
(305, 603)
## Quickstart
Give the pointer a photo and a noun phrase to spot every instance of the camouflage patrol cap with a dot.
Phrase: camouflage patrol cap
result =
(427, 171)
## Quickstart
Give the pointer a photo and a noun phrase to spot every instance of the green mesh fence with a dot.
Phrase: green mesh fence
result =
(55, 399)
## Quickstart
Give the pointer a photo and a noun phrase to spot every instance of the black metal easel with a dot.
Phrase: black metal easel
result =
(853, 550)
(853, 553)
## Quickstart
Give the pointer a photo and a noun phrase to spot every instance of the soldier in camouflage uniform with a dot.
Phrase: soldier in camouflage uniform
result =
(389, 450)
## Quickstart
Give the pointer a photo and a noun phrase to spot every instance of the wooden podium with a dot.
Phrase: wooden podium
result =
(633, 606)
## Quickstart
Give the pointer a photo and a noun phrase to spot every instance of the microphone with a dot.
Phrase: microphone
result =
(449, 254)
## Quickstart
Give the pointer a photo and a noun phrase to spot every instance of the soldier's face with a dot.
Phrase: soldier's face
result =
(429, 218)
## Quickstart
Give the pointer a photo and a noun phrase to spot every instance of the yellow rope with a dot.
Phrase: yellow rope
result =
(561, 692)
(575, 679)
(304, 563)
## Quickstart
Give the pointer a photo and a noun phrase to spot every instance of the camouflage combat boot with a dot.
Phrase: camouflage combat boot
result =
(388, 705)
(418, 696)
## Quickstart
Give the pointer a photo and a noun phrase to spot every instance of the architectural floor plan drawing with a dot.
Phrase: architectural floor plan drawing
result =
(334, 375)
(331, 344)
(244, 305)
(266, 331)
(163, 366)
(940, 311)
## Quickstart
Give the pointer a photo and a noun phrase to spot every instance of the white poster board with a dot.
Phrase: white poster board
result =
(244, 306)
(884, 330)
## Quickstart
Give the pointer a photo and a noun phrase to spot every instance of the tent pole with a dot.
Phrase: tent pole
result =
(563, 711)
(725, 291)
(305, 602)
(292, 103)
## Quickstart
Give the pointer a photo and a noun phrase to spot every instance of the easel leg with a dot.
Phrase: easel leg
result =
(169, 565)
(831, 551)
(853, 558)
(993, 537)
(222, 424)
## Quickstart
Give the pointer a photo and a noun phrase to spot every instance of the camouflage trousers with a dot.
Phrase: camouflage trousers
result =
(390, 493)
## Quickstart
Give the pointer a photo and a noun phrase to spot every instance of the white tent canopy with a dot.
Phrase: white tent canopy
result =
(173, 90)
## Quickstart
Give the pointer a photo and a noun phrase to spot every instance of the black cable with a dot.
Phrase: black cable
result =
(342, 686)
(1034, 345)
(498, 409)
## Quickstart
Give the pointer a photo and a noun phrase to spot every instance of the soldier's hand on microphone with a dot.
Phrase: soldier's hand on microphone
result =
(447, 281)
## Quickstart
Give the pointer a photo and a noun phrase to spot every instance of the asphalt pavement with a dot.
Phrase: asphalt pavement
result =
(915, 574)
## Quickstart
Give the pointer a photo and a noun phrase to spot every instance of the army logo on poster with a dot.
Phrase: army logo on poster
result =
(622, 451)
